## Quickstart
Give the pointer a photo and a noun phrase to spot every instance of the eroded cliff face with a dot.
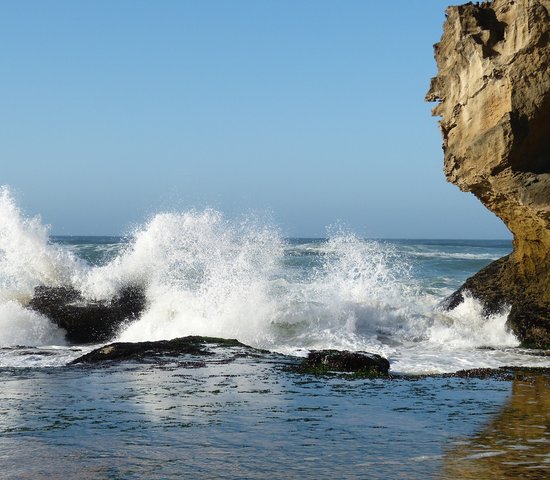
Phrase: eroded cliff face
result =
(493, 89)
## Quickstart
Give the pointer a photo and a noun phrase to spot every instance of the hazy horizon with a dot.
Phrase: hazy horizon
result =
(122, 236)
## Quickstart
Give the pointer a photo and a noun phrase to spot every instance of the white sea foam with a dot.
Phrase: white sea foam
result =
(467, 327)
(27, 258)
(360, 291)
(20, 326)
(206, 275)
(457, 256)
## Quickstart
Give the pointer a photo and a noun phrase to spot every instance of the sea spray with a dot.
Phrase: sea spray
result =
(20, 326)
(204, 275)
(467, 327)
(354, 297)
(27, 258)
(208, 275)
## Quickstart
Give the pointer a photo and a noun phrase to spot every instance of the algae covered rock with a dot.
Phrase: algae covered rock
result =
(493, 89)
(361, 363)
(191, 345)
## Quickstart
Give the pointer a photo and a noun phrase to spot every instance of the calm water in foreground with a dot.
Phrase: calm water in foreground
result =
(251, 418)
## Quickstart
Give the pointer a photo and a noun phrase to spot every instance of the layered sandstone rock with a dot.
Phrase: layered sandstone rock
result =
(493, 89)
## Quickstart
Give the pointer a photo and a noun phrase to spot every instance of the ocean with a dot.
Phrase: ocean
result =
(248, 416)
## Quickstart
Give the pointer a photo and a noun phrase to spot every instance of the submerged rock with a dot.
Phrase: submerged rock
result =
(87, 321)
(191, 345)
(493, 85)
(360, 363)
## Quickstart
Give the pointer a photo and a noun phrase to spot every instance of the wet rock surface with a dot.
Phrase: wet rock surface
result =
(191, 345)
(361, 363)
(318, 361)
(493, 89)
(88, 321)
(207, 352)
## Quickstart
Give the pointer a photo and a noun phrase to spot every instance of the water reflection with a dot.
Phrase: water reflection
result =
(515, 444)
(238, 416)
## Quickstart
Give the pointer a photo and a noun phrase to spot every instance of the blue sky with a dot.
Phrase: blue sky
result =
(310, 112)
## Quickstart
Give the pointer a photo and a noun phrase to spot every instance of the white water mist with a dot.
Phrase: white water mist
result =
(206, 275)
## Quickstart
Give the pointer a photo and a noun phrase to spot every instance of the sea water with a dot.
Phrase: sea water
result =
(205, 274)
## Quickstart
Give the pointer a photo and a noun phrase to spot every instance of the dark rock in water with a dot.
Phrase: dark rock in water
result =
(482, 287)
(496, 287)
(88, 321)
(506, 373)
(360, 363)
(192, 345)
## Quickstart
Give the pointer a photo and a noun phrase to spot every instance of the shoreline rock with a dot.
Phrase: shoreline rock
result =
(334, 363)
(190, 345)
(87, 321)
(320, 362)
(493, 89)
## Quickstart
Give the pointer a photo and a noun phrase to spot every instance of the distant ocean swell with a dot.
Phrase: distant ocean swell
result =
(207, 275)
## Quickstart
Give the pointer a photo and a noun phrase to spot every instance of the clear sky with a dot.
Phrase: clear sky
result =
(311, 112)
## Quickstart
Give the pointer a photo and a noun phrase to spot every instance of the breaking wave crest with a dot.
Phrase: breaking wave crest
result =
(27, 258)
(206, 275)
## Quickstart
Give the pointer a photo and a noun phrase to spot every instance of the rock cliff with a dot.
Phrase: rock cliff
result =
(493, 89)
